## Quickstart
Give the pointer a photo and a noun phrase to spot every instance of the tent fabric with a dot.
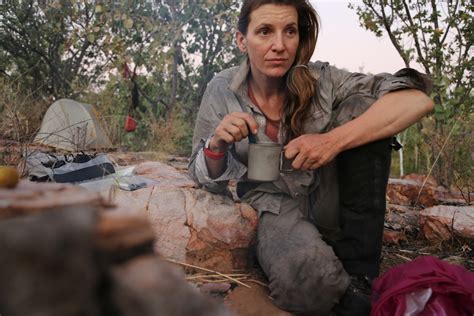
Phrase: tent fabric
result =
(72, 126)
(424, 286)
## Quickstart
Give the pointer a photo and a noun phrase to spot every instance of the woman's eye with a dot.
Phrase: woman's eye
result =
(264, 31)
(291, 31)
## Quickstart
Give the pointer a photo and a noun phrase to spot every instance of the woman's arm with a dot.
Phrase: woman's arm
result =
(389, 115)
(233, 128)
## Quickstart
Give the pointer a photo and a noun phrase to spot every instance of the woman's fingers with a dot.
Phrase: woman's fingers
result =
(310, 151)
(235, 126)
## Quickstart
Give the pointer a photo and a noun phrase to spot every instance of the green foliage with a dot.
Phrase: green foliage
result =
(438, 35)
(78, 49)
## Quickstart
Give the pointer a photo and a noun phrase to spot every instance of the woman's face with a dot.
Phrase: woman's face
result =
(272, 40)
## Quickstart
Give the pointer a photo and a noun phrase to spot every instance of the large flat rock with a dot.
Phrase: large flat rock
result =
(191, 225)
(443, 221)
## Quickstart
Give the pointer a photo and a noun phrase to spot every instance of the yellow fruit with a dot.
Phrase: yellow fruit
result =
(8, 177)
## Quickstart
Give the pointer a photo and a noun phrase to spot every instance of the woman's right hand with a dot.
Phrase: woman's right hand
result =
(233, 128)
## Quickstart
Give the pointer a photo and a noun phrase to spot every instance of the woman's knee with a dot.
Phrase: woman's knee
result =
(308, 282)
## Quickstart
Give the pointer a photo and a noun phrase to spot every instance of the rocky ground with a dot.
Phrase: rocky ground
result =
(207, 237)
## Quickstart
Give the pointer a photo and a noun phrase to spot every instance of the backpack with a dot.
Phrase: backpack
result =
(67, 168)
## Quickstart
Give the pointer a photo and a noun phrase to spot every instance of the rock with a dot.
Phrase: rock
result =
(393, 237)
(47, 263)
(215, 288)
(403, 218)
(148, 286)
(119, 237)
(165, 175)
(420, 179)
(410, 191)
(191, 225)
(32, 197)
(441, 222)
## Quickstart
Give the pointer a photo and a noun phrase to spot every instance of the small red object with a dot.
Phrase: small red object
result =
(130, 124)
(215, 156)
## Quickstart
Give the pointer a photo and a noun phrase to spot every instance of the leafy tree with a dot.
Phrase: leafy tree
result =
(438, 35)
(49, 45)
(74, 48)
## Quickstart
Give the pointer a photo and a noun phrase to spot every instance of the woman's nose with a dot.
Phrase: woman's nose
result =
(278, 44)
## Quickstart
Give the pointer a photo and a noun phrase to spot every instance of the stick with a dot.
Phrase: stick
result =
(403, 257)
(258, 282)
(208, 270)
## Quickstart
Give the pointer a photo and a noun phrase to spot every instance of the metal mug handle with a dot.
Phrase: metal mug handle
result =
(283, 167)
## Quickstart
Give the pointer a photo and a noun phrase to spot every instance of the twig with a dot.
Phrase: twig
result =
(403, 257)
(208, 270)
(257, 282)
(434, 163)
(201, 275)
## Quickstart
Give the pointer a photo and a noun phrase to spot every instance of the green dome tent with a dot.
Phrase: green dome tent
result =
(72, 126)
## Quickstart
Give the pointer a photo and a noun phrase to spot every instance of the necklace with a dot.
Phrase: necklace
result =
(272, 126)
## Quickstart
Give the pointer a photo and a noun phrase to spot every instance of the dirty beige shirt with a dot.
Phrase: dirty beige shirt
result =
(227, 92)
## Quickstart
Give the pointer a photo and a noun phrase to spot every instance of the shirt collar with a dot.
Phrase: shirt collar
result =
(239, 80)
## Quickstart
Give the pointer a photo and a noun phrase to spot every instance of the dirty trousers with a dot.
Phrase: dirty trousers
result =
(304, 273)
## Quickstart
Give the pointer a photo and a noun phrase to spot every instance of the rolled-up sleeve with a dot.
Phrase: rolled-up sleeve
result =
(348, 95)
(213, 108)
(346, 84)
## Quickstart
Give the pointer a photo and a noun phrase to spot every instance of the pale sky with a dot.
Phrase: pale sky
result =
(343, 43)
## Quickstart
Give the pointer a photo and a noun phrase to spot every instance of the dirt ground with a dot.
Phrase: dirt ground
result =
(255, 301)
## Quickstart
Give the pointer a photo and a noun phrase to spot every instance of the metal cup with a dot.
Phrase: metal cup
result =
(265, 161)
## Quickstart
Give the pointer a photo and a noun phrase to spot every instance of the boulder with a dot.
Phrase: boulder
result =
(443, 221)
(412, 190)
(32, 197)
(191, 225)
(401, 218)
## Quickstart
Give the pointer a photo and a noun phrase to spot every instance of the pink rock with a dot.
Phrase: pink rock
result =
(191, 225)
(441, 222)
(393, 237)
(411, 191)
(164, 174)
(420, 179)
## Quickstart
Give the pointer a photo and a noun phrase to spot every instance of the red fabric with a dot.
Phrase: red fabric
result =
(273, 126)
(130, 124)
(452, 286)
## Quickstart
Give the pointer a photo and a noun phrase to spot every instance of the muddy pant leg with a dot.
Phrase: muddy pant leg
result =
(362, 175)
(304, 273)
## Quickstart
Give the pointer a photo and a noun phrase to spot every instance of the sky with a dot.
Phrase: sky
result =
(343, 43)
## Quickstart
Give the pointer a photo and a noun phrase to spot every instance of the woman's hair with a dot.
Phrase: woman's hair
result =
(300, 83)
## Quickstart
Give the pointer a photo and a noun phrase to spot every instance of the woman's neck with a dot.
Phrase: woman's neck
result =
(267, 87)
(270, 96)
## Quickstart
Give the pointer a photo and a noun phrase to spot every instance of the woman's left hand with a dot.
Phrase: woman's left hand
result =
(311, 151)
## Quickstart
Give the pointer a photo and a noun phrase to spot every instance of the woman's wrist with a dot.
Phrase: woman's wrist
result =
(213, 152)
(216, 146)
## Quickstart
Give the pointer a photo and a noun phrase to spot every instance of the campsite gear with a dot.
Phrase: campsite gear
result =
(130, 123)
(424, 286)
(265, 162)
(8, 177)
(70, 168)
(72, 126)
(131, 186)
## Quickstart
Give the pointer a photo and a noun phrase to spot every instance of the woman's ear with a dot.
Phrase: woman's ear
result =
(241, 42)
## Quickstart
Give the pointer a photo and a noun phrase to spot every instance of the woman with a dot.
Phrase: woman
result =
(318, 113)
